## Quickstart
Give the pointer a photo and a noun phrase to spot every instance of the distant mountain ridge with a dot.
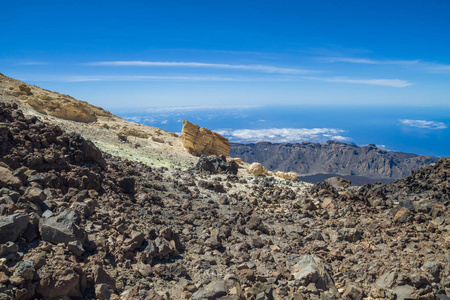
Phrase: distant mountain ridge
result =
(331, 158)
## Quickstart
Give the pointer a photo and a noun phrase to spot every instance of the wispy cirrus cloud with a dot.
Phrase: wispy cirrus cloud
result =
(424, 124)
(357, 60)
(427, 66)
(212, 78)
(31, 63)
(382, 82)
(128, 78)
(439, 68)
(112, 78)
(259, 68)
(177, 109)
(284, 135)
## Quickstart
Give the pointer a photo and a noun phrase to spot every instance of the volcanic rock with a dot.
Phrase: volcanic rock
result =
(8, 179)
(311, 269)
(61, 228)
(12, 226)
(60, 282)
(216, 164)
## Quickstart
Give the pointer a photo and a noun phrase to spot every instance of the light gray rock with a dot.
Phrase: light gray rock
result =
(311, 269)
(405, 292)
(213, 290)
(25, 269)
(388, 281)
(75, 247)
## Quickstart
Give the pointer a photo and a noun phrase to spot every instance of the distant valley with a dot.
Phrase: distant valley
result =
(319, 161)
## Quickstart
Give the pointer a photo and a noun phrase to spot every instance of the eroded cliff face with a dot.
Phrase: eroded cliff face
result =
(199, 140)
(51, 103)
(332, 158)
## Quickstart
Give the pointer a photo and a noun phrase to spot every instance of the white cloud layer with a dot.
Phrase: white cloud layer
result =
(284, 135)
(382, 82)
(260, 68)
(424, 124)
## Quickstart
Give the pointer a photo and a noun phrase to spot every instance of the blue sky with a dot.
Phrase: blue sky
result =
(167, 53)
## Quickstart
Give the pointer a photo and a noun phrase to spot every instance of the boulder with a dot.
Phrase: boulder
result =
(338, 182)
(100, 276)
(216, 164)
(12, 226)
(311, 269)
(256, 169)
(286, 175)
(353, 292)
(61, 228)
(392, 282)
(25, 269)
(9, 251)
(213, 290)
(59, 283)
(75, 247)
(103, 291)
(140, 292)
(7, 179)
(198, 141)
(127, 184)
(34, 194)
(402, 216)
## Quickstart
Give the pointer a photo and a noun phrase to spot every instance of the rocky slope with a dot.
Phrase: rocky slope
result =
(77, 222)
(110, 133)
(332, 158)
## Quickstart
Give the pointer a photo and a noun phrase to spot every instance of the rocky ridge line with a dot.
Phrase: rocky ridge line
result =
(332, 158)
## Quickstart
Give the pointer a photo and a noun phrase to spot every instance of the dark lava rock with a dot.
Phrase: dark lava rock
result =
(62, 228)
(12, 226)
(216, 164)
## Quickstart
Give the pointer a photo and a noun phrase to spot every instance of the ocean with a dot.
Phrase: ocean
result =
(421, 130)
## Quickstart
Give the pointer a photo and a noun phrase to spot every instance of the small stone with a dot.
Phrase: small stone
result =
(75, 247)
(7, 179)
(353, 292)
(103, 291)
(402, 216)
(35, 194)
(25, 269)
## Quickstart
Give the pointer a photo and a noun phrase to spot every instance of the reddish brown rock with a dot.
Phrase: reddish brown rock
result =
(59, 283)
(7, 179)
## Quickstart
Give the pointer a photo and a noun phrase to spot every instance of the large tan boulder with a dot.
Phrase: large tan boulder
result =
(256, 169)
(286, 175)
(198, 141)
